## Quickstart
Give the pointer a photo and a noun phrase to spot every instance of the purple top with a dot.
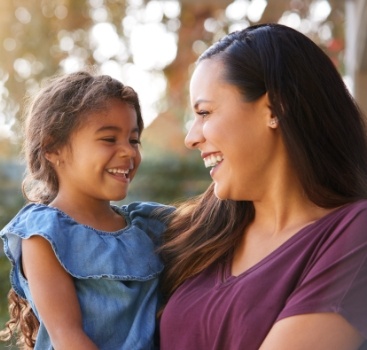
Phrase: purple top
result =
(322, 268)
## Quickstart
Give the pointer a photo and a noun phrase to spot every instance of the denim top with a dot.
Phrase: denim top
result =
(115, 273)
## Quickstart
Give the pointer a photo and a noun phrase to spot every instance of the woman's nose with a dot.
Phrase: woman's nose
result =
(195, 135)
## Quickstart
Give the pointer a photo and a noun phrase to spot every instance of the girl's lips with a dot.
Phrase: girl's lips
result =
(120, 176)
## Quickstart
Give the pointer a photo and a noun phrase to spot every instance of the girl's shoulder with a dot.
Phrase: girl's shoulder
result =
(148, 216)
(86, 252)
(150, 210)
(36, 218)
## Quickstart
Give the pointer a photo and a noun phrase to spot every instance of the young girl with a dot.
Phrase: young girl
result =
(87, 269)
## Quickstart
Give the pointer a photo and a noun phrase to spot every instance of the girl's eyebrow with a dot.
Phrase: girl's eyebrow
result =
(114, 128)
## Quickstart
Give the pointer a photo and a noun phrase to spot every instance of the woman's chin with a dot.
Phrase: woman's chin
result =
(219, 193)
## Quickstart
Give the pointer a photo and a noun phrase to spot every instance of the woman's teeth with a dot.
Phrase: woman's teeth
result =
(212, 160)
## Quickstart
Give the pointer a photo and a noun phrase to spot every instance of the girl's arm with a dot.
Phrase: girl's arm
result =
(54, 295)
(313, 331)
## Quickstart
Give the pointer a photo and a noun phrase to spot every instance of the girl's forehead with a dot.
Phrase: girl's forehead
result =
(121, 115)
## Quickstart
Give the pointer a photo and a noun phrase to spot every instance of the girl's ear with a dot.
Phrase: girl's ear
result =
(53, 157)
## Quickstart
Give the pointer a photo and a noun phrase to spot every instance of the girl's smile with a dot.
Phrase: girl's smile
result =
(103, 155)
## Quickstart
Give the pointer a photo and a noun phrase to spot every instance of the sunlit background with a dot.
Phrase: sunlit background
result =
(132, 40)
(152, 46)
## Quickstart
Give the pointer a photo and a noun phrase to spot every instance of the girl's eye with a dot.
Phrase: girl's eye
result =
(109, 139)
(135, 142)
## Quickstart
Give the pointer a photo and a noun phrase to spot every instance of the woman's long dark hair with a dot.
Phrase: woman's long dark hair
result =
(322, 127)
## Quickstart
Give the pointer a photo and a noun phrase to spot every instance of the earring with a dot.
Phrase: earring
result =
(273, 122)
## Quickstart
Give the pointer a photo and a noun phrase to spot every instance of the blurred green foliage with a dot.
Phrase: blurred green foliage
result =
(4, 288)
(169, 179)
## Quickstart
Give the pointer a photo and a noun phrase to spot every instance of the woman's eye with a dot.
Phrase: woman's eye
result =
(202, 113)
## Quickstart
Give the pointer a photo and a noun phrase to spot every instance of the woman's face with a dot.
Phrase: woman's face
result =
(237, 139)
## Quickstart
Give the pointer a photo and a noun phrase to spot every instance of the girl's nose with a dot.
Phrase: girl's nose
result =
(195, 135)
(128, 150)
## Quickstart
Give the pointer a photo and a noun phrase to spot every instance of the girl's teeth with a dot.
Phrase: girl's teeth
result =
(118, 171)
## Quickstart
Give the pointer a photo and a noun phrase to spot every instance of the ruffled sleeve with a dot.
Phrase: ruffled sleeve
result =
(128, 254)
(150, 217)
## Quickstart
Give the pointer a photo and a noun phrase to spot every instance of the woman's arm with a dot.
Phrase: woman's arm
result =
(313, 331)
(54, 295)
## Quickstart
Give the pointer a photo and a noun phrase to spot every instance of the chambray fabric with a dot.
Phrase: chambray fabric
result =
(115, 273)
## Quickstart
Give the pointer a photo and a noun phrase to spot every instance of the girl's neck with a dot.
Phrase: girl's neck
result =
(96, 214)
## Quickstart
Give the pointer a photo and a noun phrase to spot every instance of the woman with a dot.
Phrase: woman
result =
(274, 255)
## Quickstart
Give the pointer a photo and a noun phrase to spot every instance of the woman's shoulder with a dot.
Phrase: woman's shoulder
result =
(344, 224)
(355, 212)
(357, 206)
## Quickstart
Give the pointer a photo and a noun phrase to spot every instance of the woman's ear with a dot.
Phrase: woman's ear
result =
(273, 122)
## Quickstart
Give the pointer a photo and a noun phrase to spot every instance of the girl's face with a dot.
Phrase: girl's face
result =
(237, 139)
(103, 155)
